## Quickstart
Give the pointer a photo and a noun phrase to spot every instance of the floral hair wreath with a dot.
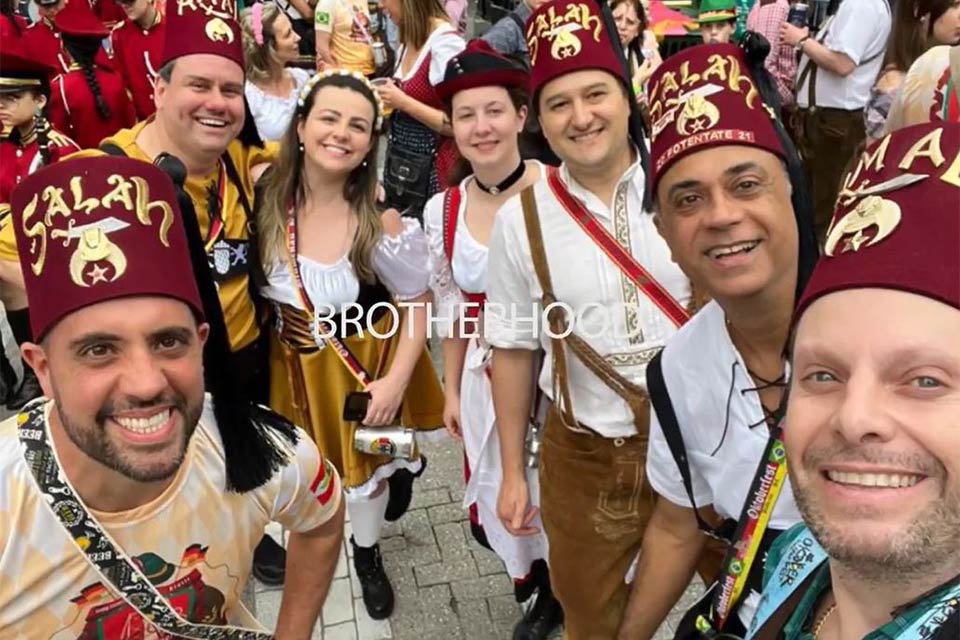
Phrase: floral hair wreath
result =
(322, 75)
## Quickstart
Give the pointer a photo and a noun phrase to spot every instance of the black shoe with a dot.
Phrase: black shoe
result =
(541, 620)
(377, 592)
(401, 491)
(269, 562)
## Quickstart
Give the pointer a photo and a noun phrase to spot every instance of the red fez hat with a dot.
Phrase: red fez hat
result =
(565, 36)
(19, 71)
(704, 97)
(78, 19)
(479, 65)
(202, 26)
(95, 229)
(897, 220)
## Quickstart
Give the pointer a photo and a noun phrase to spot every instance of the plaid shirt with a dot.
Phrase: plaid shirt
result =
(782, 61)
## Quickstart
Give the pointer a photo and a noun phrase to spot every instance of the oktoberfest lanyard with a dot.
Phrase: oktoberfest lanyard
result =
(215, 211)
(757, 509)
(347, 358)
(106, 558)
(608, 244)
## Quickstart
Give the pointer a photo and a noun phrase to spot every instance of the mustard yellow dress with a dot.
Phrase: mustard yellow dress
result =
(309, 383)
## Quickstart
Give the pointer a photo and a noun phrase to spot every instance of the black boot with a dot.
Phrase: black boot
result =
(543, 617)
(269, 562)
(377, 592)
(401, 491)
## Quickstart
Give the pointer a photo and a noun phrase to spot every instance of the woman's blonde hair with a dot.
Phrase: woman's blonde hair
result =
(285, 186)
(417, 20)
(256, 57)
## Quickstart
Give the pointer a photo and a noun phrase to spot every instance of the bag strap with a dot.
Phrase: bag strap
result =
(772, 627)
(631, 393)
(660, 399)
(642, 278)
(105, 557)
(955, 70)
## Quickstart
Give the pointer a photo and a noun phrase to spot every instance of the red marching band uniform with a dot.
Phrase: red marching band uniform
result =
(20, 153)
(43, 40)
(73, 106)
(136, 54)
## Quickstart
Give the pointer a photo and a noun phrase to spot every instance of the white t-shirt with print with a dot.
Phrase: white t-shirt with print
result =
(195, 541)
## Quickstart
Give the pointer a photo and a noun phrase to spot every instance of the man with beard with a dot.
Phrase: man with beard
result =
(731, 204)
(127, 501)
(873, 419)
(579, 239)
(200, 114)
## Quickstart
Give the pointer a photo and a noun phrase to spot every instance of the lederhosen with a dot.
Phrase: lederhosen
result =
(827, 138)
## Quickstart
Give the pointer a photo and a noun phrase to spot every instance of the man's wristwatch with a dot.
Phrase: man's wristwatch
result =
(799, 45)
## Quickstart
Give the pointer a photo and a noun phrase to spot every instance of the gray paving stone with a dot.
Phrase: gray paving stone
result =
(504, 608)
(367, 627)
(412, 556)
(488, 563)
(474, 614)
(447, 571)
(446, 513)
(437, 605)
(450, 540)
(343, 631)
(495, 585)
(416, 527)
(339, 605)
(430, 497)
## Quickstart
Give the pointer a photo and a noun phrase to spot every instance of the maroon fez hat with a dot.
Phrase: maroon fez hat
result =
(565, 36)
(78, 19)
(479, 65)
(19, 70)
(896, 224)
(703, 97)
(202, 26)
(95, 229)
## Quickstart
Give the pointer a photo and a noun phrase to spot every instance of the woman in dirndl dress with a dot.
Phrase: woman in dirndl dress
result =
(420, 151)
(485, 98)
(328, 252)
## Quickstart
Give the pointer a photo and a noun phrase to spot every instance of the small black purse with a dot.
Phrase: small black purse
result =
(406, 179)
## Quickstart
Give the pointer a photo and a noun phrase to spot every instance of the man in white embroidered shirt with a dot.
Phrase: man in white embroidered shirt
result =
(593, 498)
(181, 483)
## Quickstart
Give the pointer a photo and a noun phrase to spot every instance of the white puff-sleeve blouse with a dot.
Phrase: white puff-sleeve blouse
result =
(401, 263)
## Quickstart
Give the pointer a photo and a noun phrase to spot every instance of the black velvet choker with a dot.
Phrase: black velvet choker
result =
(506, 183)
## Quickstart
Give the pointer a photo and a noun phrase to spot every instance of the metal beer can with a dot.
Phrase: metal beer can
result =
(798, 13)
(396, 442)
(379, 54)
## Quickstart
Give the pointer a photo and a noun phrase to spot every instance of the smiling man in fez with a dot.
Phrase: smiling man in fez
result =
(732, 206)
(128, 434)
(873, 418)
(594, 500)
(201, 120)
